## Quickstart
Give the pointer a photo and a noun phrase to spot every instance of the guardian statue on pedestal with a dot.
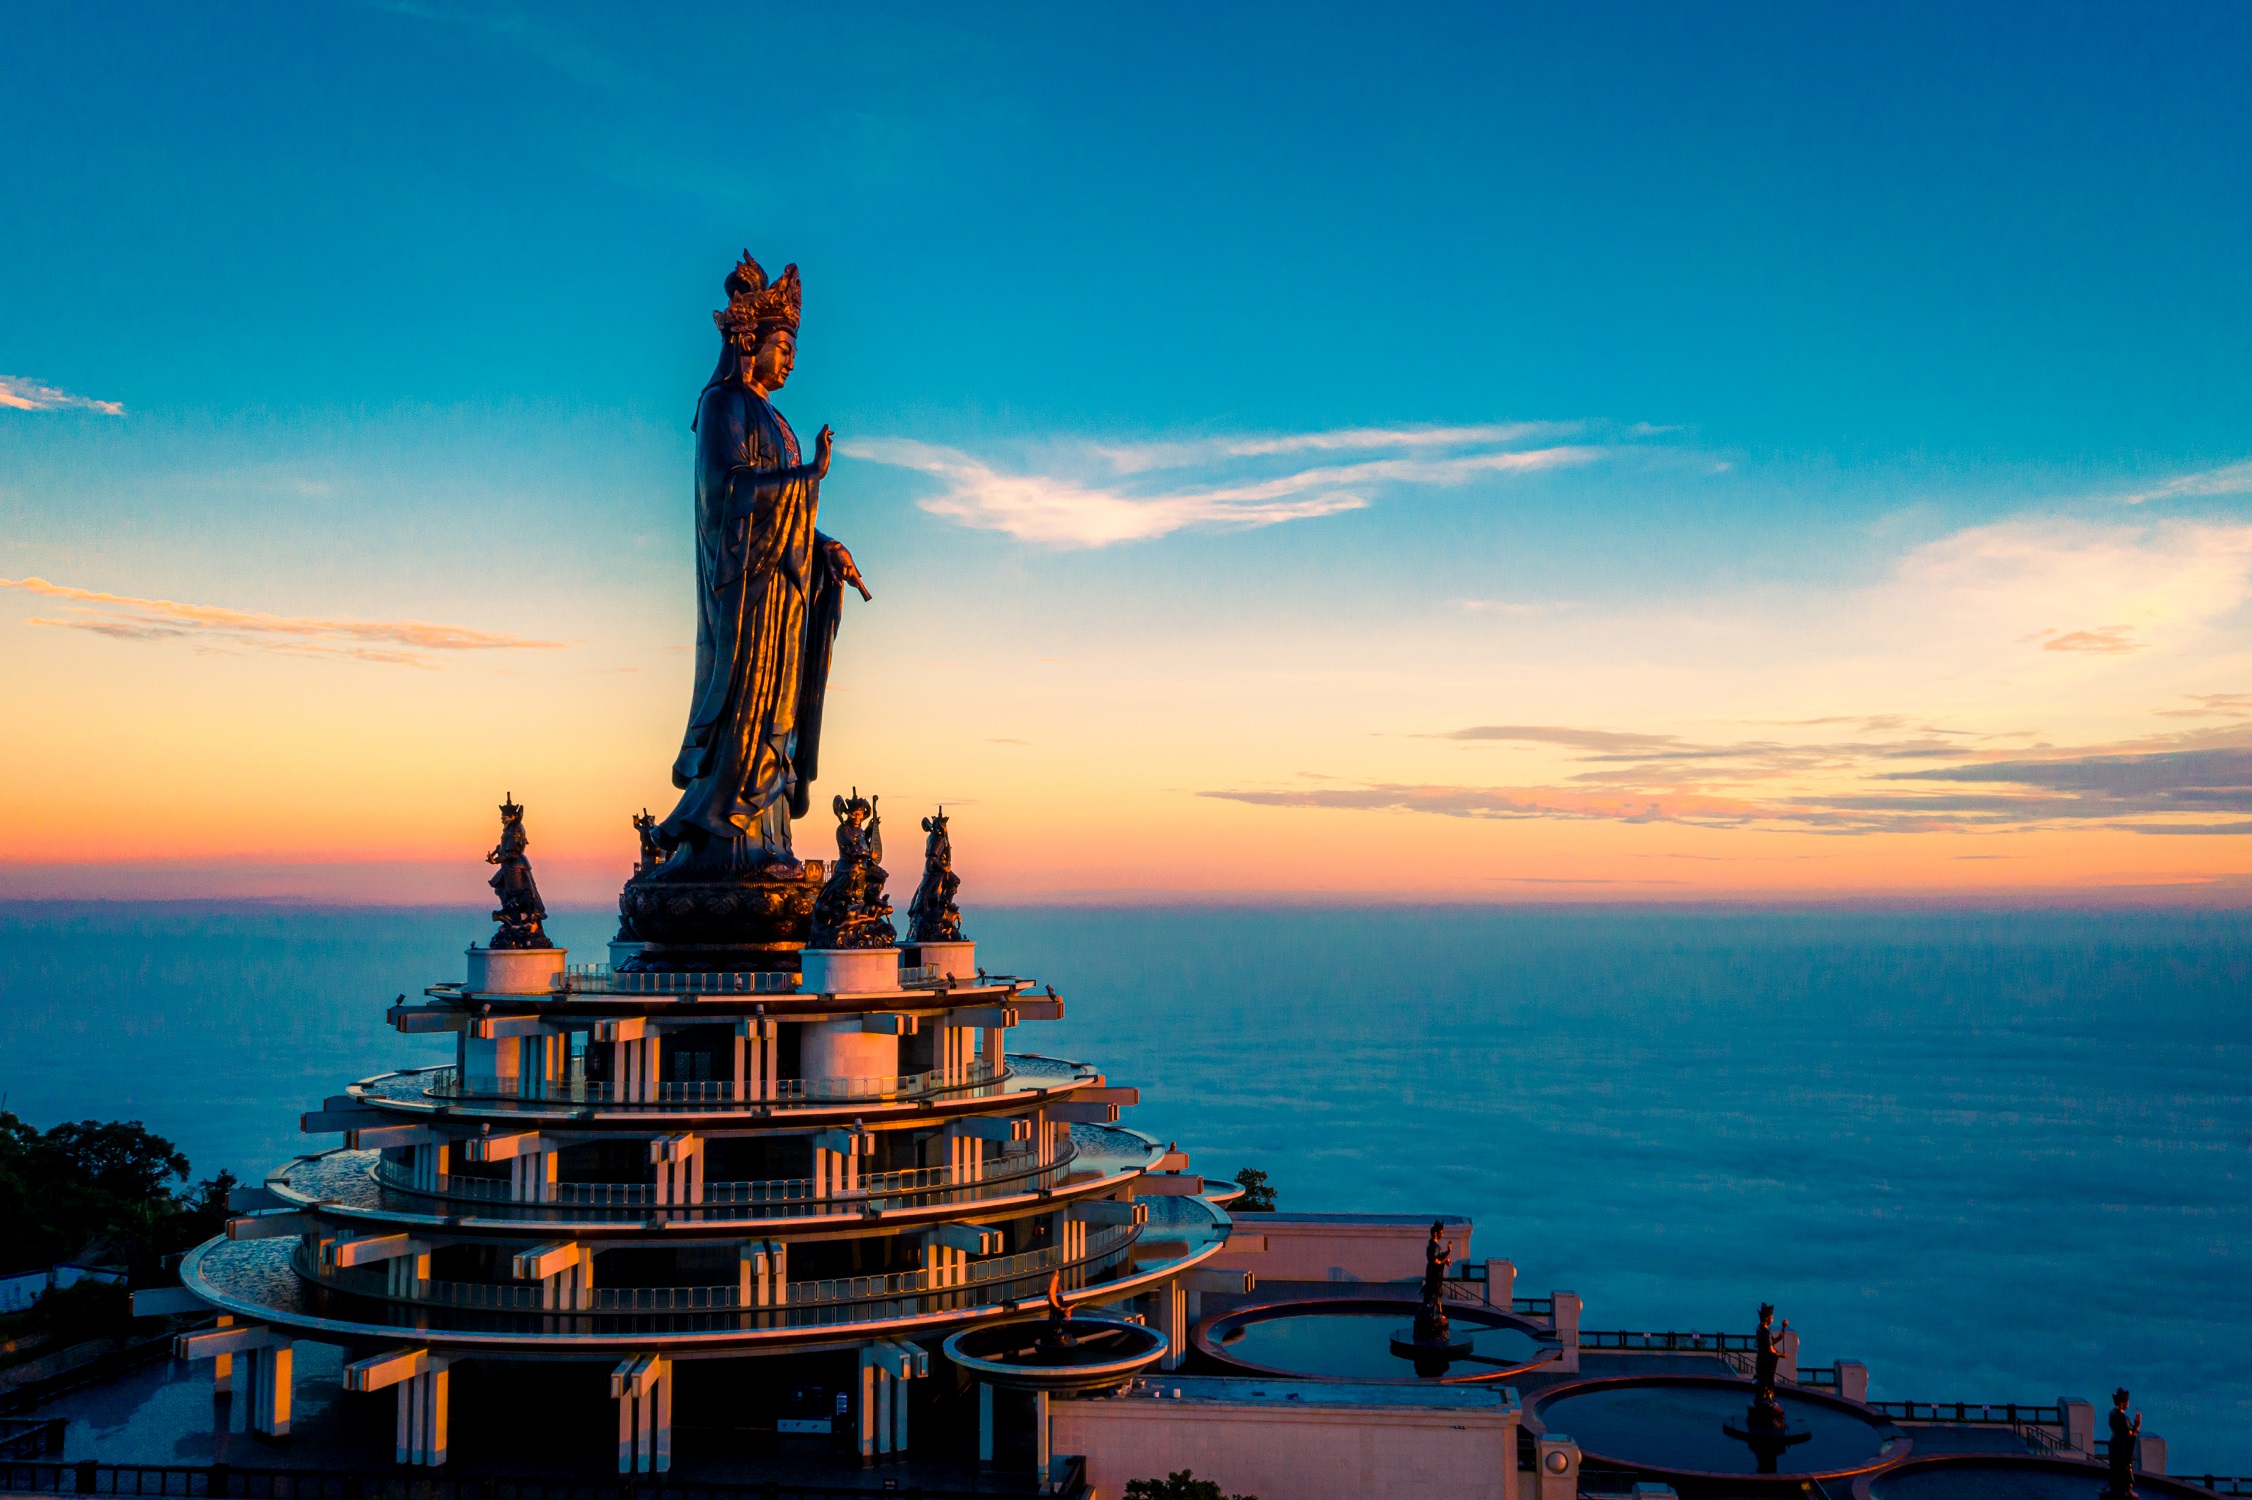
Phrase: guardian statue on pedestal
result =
(932, 916)
(852, 910)
(521, 913)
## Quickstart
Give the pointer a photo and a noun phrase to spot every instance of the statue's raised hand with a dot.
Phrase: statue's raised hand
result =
(821, 448)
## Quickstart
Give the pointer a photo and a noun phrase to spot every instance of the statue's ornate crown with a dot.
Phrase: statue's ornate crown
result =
(756, 308)
(510, 809)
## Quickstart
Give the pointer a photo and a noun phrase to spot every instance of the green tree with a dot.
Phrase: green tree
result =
(1179, 1485)
(104, 1190)
(1258, 1198)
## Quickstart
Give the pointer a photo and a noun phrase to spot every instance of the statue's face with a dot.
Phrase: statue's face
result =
(771, 366)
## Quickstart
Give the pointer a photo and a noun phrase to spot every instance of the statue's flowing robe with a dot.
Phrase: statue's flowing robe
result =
(766, 619)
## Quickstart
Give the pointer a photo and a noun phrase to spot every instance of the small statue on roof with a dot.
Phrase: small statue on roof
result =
(852, 910)
(1431, 1318)
(1766, 1411)
(521, 910)
(2126, 1437)
(932, 916)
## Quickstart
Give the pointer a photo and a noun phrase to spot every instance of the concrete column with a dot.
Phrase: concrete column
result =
(1501, 1283)
(1513, 1417)
(1043, 1461)
(1786, 1360)
(1853, 1379)
(2079, 1424)
(223, 1366)
(1557, 1468)
(1568, 1330)
(2150, 1453)
(864, 1409)
(423, 1417)
(1174, 1310)
(984, 1425)
(642, 1387)
(272, 1373)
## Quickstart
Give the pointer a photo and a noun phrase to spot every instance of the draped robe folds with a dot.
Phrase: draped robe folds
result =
(766, 619)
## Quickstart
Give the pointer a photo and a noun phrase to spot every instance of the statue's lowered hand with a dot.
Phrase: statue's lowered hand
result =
(841, 569)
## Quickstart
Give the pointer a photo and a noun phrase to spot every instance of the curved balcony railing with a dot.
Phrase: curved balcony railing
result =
(981, 1283)
(448, 1083)
(781, 1197)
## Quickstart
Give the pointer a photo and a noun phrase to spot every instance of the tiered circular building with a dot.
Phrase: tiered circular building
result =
(644, 1168)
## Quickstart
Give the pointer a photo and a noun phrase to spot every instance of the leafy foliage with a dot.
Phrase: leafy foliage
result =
(100, 1192)
(1258, 1198)
(1182, 1484)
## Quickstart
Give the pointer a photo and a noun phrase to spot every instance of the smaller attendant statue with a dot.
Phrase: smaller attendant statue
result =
(1431, 1318)
(521, 910)
(653, 849)
(932, 916)
(1767, 1350)
(852, 910)
(2126, 1436)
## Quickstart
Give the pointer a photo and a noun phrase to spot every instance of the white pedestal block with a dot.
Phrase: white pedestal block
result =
(848, 971)
(830, 1050)
(514, 971)
(952, 960)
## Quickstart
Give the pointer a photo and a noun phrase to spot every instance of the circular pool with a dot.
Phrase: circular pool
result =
(1675, 1425)
(2006, 1476)
(1096, 1353)
(1352, 1339)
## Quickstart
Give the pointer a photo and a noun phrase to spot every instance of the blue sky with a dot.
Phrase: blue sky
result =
(1567, 326)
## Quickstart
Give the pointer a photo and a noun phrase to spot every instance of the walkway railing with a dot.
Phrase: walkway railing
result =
(1668, 1343)
(447, 1083)
(784, 1196)
(981, 1283)
(1972, 1413)
(224, 1482)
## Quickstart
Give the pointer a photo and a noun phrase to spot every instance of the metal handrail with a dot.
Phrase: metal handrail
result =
(1972, 1413)
(447, 1083)
(226, 1482)
(979, 1276)
(774, 1192)
(1669, 1343)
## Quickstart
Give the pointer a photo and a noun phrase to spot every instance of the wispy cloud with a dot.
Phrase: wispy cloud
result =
(1647, 778)
(1096, 495)
(2229, 479)
(20, 393)
(401, 642)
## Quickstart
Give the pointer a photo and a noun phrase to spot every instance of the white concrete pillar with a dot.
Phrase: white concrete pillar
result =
(1501, 1283)
(272, 1371)
(1853, 1379)
(1174, 1310)
(1043, 1459)
(642, 1387)
(2150, 1453)
(1786, 1356)
(1557, 1467)
(1567, 1324)
(2079, 1415)
(223, 1366)
(423, 1417)
(884, 1400)
(864, 1409)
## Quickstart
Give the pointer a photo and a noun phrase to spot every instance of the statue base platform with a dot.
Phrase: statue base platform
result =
(957, 960)
(738, 924)
(1449, 1345)
(848, 971)
(513, 971)
(1793, 1430)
